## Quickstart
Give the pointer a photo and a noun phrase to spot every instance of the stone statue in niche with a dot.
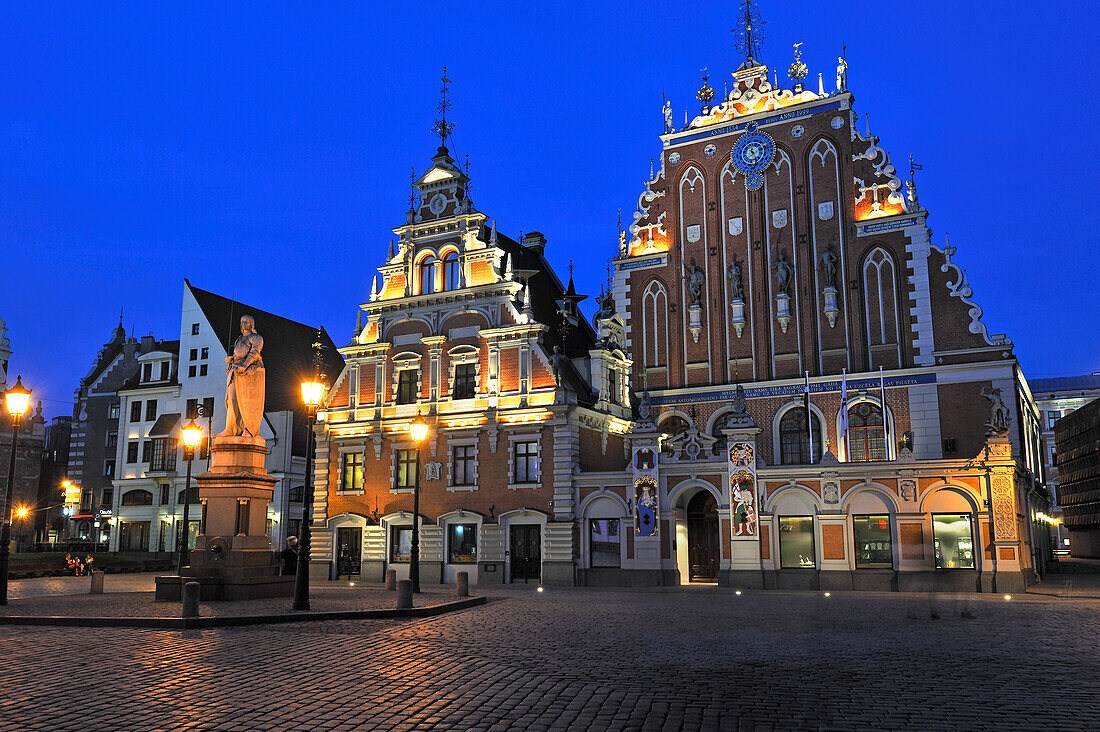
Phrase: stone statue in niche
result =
(695, 277)
(783, 272)
(828, 262)
(557, 359)
(244, 383)
(645, 408)
(998, 424)
(733, 276)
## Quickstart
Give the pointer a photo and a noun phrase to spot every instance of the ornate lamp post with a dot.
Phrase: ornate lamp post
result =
(419, 430)
(16, 400)
(312, 392)
(190, 436)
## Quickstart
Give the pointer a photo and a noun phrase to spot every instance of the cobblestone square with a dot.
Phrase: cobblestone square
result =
(587, 660)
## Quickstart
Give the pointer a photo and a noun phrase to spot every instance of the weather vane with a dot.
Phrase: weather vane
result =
(749, 32)
(412, 188)
(442, 126)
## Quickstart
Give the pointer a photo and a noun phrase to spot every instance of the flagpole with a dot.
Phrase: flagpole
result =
(885, 429)
(844, 412)
(809, 418)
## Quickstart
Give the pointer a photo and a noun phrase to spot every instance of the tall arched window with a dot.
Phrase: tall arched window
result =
(866, 438)
(881, 301)
(428, 267)
(452, 276)
(794, 437)
(655, 324)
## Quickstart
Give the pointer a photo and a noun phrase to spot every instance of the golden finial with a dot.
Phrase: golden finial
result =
(797, 72)
(705, 93)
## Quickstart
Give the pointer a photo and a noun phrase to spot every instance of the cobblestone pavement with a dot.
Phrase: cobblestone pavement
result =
(583, 659)
(42, 586)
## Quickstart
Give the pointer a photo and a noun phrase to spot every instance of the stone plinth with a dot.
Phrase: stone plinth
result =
(232, 559)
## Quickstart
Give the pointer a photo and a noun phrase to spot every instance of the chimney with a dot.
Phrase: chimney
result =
(147, 342)
(534, 240)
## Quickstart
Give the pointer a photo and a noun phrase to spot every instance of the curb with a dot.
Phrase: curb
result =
(238, 620)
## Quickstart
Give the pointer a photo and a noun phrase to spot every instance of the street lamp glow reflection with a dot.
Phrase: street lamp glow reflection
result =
(17, 399)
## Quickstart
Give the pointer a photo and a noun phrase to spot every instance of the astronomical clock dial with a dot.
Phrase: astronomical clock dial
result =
(753, 152)
(438, 203)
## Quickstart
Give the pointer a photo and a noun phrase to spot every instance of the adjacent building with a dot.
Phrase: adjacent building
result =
(27, 458)
(184, 379)
(1077, 447)
(1056, 398)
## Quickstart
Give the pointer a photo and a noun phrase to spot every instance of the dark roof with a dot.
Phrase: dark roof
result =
(288, 347)
(546, 291)
(1065, 383)
(134, 382)
(165, 424)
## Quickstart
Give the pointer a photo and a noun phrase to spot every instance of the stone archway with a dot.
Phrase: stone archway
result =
(704, 548)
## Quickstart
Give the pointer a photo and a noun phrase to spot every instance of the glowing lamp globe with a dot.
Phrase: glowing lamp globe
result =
(419, 429)
(191, 435)
(17, 399)
(312, 393)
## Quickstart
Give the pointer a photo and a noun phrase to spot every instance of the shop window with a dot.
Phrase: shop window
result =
(428, 267)
(452, 272)
(866, 439)
(526, 461)
(400, 543)
(953, 539)
(464, 465)
(137, 498)
(462, 543)
(406, 386)
(133, 536)
(604, 541)
(794, 438)
(351, 473)
(874, 547)
(796, 542)
(465, 381)
(404, 468)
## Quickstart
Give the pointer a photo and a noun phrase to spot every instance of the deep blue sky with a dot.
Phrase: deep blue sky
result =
(264, 150)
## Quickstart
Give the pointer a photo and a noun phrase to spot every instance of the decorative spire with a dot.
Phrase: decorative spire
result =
(507, 267)
(359, 322)
(797, 72)
(622, 235)
(820, 85)
(392, 252)
(467, 189)
(442, 127)
(412, 188)
(493, 234)
(374, 289)
(749, 33)
(705, 93)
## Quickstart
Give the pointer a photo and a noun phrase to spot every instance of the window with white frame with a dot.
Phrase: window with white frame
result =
(404, 468)
(465, 382)
(351, 471)
(525, 460)
(464, 465)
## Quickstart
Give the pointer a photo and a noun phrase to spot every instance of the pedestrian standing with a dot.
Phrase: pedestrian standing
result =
(290, 556)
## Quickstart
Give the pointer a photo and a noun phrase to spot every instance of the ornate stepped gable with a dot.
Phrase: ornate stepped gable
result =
(777, 238)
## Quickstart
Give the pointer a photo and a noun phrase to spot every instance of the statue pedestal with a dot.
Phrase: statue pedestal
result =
(232, 559)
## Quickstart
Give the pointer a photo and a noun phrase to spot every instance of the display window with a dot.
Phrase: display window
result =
(796, 542)
(462, 543)
(401, 543)
(874, 545)
(953, 537)
(604, 541)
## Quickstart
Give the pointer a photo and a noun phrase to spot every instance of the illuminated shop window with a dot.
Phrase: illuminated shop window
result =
(953, 537)
(462, 543)
(874, 546)
(400, 543)
(796, 542)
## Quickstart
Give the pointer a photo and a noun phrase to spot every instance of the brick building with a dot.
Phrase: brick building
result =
(1077, 438)
(817, 401)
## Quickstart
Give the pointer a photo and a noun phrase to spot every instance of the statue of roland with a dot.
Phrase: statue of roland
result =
(244, 383)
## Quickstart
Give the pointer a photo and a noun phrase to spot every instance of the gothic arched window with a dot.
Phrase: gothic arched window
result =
(794, 437)
(452, 277)
(881, 299)
(428, 267)
(866, 438)
(655, 324)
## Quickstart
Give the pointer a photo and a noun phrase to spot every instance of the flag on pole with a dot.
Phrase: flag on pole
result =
(844, 410)
(809, 418)
(885, 427)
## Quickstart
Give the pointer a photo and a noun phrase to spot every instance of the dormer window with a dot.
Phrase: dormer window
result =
(147, 372)
(452, 277)
(428, 267)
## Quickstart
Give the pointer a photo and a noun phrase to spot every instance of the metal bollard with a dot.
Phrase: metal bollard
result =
(391, 579)
(404, 594)
(97, 582)
(462, 584)
(191, 599)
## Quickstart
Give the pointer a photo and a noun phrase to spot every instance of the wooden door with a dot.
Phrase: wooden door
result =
(702, 525)
(526, 552)
(349, 551)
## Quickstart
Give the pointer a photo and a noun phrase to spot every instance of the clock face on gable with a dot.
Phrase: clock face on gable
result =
(437, 204)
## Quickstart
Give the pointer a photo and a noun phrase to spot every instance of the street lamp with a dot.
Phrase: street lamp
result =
(16, 401)
(313, 390)
(190, 436)
(419, 430)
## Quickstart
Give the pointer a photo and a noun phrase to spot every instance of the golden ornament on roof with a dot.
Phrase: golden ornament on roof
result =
(798, 70)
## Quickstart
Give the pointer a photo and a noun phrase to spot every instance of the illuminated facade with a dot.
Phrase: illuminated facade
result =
(474, 331)
(775, 253)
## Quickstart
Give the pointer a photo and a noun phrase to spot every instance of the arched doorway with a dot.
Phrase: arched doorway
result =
(702, 531)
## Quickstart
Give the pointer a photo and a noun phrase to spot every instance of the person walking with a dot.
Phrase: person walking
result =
(290, 556)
